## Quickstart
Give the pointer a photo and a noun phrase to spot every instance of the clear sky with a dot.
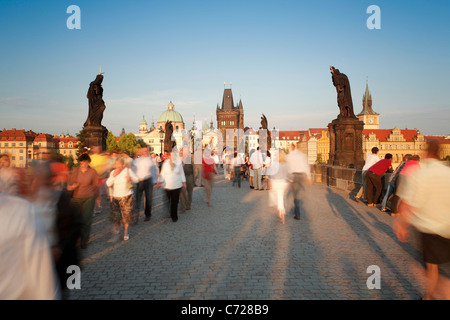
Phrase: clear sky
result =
(276, 54)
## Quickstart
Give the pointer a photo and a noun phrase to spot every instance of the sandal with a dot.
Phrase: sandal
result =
(126, 237)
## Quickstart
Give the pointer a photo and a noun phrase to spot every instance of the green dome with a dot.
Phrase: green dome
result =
(205, 126)
(143, 122)
(170, 115)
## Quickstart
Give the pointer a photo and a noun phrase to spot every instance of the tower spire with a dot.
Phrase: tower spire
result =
(367, 101)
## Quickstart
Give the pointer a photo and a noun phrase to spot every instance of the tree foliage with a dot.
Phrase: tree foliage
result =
(82, 142)
(319, 159)
(127, 143)
(111, 143)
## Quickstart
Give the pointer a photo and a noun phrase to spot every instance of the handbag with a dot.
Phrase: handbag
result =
(129, 183)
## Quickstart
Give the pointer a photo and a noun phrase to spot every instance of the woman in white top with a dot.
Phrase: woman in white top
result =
(120, 180)
(172, 175)
(280, 184)
(266, 171)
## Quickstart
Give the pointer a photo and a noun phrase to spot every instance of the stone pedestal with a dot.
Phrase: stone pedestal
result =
(346, 148)
(95, 136)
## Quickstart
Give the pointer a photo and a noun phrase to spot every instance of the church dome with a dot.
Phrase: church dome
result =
(170, 115)
(143, 122)
(205, 126)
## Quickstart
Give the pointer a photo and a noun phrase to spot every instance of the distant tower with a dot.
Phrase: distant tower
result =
(143, 126)
(229, 116)
(367, 115)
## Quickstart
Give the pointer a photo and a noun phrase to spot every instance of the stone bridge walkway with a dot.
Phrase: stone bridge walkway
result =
(238, 249)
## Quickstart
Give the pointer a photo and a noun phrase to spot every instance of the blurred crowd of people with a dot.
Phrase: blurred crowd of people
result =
(280, 173)
(418, 192)
(46, 210)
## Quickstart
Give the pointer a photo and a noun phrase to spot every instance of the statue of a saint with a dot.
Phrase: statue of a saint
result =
(344, 96)
(96, 103)
(264, 126)
(168, 131)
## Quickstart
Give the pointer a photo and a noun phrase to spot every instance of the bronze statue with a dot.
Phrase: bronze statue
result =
(344, 96)
(96, 103)
(168, 143)
(264, 125)
(263, 122)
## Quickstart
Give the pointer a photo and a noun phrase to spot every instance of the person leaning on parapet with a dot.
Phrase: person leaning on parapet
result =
(410, 166)
(370, 161)
(374, 175)
(425, 206)
(393, 183)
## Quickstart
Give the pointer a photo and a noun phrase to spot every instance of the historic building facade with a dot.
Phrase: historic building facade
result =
(154, 136)
(229, 116)
(19, 145)
(67, 145)
(397, 142)
(25, 146)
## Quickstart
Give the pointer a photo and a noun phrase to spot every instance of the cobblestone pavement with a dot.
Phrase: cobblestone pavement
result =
(238, 249)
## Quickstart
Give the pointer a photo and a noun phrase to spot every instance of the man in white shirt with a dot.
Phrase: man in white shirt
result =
(173, 177)
(147, 172)
(215, 157)
(237, 163)
(300, 175)
(370, 161)
(26, 268)
(256, 160)
(198, 166)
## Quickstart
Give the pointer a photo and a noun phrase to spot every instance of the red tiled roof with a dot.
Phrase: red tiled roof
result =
(382, 135)
(66, 141)
(315, 131)
(438, 138)
(44, 137)
(17, 135)
(292, 135)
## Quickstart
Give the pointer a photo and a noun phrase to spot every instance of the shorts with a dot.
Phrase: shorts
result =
(436, 249)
